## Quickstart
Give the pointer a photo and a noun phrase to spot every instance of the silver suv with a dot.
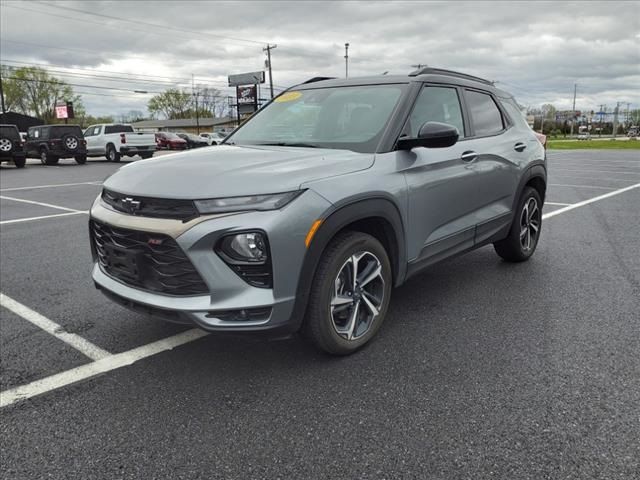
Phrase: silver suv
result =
(308, 215)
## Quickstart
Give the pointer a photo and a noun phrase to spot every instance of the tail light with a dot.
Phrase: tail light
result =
(123, 138)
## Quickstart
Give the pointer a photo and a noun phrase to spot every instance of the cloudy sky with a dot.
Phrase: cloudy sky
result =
(536, 50)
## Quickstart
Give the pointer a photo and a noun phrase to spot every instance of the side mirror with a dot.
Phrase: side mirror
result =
(431, 135)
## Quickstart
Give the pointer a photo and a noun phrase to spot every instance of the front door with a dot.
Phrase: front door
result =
(440, 181)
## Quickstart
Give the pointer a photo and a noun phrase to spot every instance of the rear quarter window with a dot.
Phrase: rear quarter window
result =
(485, 114)
(9, 132)
(61, 130)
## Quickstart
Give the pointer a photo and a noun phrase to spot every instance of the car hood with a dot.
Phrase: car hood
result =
(225, 171)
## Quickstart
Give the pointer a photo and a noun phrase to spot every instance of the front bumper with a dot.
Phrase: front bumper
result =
(228, 292)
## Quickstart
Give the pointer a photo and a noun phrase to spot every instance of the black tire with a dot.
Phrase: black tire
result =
(20, 162)
(144, 156)
(47, 158)
(514, 247)
(70, 142)
(320, 325)
(81, 159)
(6, 145)
(112, 154)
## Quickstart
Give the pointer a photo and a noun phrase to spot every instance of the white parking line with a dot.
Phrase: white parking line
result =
(40, 204)
(550, 203)
(591, 200)
(29, 219)
(583, 170)
(84, 346)
(92, 369)
(113, 362)
(13, 189)
(579, 186)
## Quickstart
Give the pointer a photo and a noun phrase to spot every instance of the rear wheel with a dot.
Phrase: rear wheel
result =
(525, 230)
(350, 294)
(47, 158)
(112, 154)
(144, 156)
(81, 159)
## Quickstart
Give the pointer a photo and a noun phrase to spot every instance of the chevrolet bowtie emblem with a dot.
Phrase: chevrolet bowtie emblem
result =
(131, 205)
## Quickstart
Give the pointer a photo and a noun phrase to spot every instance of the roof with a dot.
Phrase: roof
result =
(431, 75)
(183, 122)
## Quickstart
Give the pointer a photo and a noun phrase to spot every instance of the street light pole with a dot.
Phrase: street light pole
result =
(346, 60)
(195, 96)
(2, 95)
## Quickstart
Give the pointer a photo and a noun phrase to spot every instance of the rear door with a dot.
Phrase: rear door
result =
(496, 164)
(440, 183)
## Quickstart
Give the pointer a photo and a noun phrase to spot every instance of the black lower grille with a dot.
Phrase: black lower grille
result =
(149, 261)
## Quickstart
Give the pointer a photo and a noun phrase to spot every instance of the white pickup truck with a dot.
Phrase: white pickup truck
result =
(114, 140)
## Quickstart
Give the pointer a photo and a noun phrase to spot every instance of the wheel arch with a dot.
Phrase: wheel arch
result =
(378, 216)
(535, 176)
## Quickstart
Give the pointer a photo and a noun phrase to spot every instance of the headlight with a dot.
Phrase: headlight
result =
(271, 201)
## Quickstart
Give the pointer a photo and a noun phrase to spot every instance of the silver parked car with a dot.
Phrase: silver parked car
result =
(308, 215)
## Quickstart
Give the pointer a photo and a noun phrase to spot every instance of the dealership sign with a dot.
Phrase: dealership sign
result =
(64, 110)
(251, 78)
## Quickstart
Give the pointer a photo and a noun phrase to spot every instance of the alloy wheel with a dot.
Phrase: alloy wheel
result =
(529, 224)
(5, 144)
(357, 296)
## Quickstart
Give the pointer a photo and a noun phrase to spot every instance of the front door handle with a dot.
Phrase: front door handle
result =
(468, 156)
(519, 147)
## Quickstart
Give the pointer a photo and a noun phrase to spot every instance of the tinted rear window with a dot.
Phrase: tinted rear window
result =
(60, 130)
(9, 132)
(485, 115)
(118, 129)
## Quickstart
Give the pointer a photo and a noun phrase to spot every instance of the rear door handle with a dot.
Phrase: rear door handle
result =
(519, 147)
(468, 156)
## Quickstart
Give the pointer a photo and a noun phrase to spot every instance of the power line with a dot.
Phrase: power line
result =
(163, 27)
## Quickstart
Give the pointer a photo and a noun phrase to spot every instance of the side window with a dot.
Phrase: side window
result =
(88, 132)
(96, 130)
(437, 104)
(485, 115)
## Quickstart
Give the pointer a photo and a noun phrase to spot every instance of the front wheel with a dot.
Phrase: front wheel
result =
(20, 162)
(81, 159)
(525, 231)
(349, 295)
(47, 158)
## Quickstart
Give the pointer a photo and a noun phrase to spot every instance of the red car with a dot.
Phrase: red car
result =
(169, 141)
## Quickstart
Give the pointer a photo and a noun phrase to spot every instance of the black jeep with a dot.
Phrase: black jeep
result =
(50, 143)
(11, 146)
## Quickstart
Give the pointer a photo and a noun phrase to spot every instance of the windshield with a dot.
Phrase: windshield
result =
(350, 118)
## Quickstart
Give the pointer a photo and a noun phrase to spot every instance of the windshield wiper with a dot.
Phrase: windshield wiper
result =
(287, 144)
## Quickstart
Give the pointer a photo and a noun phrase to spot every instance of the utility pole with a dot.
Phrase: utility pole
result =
(346, 60)
(573, 120)
(195, 96)
(268, 49)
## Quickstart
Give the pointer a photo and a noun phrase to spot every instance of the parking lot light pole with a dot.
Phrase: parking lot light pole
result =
(346, 60)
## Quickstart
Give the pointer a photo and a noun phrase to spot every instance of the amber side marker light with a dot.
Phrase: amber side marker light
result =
(312, 231)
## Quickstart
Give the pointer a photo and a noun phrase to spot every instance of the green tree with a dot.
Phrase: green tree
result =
(32, 91)
(172, 104)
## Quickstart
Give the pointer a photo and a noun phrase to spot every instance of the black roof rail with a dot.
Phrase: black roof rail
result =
(317, 79)
(449, 73)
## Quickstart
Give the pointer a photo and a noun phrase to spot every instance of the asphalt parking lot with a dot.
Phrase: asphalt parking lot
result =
(483, 369)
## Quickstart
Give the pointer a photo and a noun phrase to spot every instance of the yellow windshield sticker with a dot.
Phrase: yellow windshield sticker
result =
(288, 97)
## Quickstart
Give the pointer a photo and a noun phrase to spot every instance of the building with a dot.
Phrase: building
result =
(23, 122)
(189, 125)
